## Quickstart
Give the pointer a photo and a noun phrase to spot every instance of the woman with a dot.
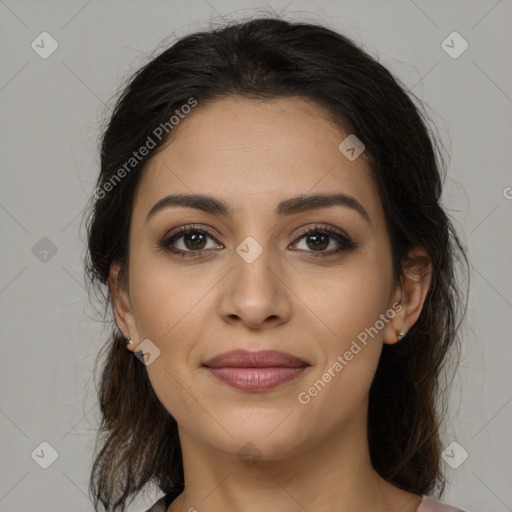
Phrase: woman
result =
(267, 222)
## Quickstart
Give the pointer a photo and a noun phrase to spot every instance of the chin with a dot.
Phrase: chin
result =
(270, 434)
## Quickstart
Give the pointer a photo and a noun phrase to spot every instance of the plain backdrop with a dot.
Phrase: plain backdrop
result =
(51, 109)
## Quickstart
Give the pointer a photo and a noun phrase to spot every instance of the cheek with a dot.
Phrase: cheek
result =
(351, 310)
(348, 301)
(169, 308)
(164, 299)
(350, 305)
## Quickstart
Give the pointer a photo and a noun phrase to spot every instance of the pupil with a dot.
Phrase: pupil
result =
(195, 238)
(319, 241)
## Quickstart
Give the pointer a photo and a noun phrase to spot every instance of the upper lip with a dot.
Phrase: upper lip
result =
(260, 359)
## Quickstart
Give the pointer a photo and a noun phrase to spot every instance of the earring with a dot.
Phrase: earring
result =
(400, 334)
(129, 341)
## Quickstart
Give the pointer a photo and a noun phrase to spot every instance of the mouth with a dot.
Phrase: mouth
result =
(255, 371)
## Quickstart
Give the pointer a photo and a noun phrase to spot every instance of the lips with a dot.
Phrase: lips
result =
(261, 359)
(255, 371)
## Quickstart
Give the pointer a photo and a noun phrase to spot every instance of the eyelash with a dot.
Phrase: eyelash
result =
(343, 240)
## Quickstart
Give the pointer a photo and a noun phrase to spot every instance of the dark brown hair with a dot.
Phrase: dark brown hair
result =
(268, 58)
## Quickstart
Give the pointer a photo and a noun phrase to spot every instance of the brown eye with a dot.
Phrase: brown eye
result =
(319, 240)
(194, 241)
(188, 241)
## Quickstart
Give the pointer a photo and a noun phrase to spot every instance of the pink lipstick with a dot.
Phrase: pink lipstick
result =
(255, 371)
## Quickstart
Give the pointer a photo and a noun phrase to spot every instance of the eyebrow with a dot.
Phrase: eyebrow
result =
(298, 204)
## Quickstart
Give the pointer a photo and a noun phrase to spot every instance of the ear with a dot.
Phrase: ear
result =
(121, 304)
(410, 293)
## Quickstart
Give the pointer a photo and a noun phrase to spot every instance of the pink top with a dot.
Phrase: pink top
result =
(428, 504)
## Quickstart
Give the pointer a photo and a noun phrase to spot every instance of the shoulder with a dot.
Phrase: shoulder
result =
(429, 504)
(158, 506)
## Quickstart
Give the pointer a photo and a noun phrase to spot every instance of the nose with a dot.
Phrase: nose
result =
(255, 294)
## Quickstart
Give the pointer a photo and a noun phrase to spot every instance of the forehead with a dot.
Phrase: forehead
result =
(254, 152)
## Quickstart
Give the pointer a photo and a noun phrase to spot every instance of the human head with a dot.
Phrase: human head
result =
(265, 60)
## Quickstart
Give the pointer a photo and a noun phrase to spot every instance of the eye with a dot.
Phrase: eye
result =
(188, 241)
(318, 239)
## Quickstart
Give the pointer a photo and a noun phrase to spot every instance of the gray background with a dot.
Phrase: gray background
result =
(50, 114)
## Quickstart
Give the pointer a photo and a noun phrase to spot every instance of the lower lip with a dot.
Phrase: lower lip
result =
(256, 379)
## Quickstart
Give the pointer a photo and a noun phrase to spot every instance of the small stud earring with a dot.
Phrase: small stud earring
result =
(400, 335)
(129, 341)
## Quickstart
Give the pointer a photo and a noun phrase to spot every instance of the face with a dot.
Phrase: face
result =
(311, 281)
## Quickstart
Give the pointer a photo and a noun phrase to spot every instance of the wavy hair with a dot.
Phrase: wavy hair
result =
(268, 58)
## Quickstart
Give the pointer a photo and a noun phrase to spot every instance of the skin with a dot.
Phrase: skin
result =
(252, 155)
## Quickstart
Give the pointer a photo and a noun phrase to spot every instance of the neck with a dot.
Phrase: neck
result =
(333, 475)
